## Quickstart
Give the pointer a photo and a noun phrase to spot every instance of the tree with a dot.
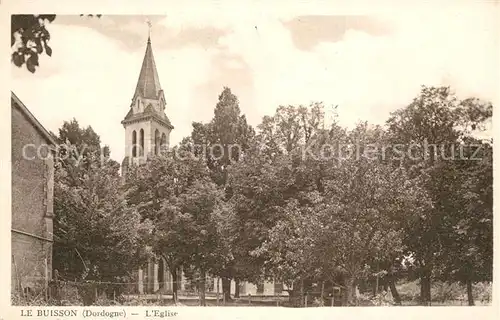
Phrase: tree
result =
(225, 138)
(334, 232)
(222, 142)
(98, 237)
(467, 254)
(199, 206)
(435, 126)
(161, 190)
(30, 38)
(259, 187)
(278, 171)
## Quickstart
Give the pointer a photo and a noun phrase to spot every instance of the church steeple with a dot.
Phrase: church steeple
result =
(148, 84)
(147, 127)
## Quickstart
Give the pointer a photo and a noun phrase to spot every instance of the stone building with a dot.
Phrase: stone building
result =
(147, 127)
(32, 200)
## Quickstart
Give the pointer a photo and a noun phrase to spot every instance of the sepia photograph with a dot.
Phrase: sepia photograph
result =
(246, 159)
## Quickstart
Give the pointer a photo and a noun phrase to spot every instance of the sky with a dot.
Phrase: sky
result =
(367, 65)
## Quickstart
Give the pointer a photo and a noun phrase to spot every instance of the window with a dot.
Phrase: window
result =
(141, 142)
(157, 141)
(134, 143)
(163, 143)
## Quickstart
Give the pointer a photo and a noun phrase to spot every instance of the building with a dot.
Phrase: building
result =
(147, 132)
(32, 200)
(147, 127)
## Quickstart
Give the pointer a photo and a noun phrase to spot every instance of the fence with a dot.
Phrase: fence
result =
(66, 292)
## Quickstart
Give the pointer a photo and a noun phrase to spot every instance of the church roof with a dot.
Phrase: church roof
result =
(148, 113)
(148, 85)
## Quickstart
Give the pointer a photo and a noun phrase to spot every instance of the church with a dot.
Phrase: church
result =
(147, 132)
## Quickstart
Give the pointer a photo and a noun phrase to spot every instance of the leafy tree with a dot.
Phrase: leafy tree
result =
(222, 142)
(224, 138)
(161, 190)
(468, 249)
(98, 236)
(259, 188)
(337, 231)
(30, 38)
(199, 206)
(275, 172)
(434, 126)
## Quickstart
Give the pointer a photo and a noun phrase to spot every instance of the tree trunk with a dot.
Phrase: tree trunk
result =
(470, 297)
(173, 272)
(218, 279)
(237, 288)
(350, 291)
(425, 288)
(302, 294)
(201, 288)
(226, 288)
(294, 297)
(394, 290)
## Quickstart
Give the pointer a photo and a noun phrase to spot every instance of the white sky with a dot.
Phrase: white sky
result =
(93, 71)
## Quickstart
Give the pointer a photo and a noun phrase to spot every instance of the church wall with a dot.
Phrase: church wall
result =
(146, 126)
(156, 126)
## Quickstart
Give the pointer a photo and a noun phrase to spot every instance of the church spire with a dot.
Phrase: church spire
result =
(148, 85)
(149, 31)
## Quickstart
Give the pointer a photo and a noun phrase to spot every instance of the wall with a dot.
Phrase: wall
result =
(31, 203)
(156, 126)
(146, 126)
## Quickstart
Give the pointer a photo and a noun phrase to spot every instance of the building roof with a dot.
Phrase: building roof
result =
(15, 101)
(148, 85)
(148, 113)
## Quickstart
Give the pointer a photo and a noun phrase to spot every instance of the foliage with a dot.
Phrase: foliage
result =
(300, 201)
(30, 38)
(331, 215)
(224, 139)
(409, 290)
(381, 299)
(438, 127)
(483, 292)
(221, 143)
(443, 292)
(175, 192)
(91, 214)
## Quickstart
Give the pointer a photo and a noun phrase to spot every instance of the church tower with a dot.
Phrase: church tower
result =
(147, 127)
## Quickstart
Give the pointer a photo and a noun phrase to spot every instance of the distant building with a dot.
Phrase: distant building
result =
(32, 200)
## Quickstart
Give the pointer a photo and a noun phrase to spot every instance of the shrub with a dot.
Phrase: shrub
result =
(20, 300)
(482, 292)
(443, 291)
(381, 299)
(409, 291)
(318, 302)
